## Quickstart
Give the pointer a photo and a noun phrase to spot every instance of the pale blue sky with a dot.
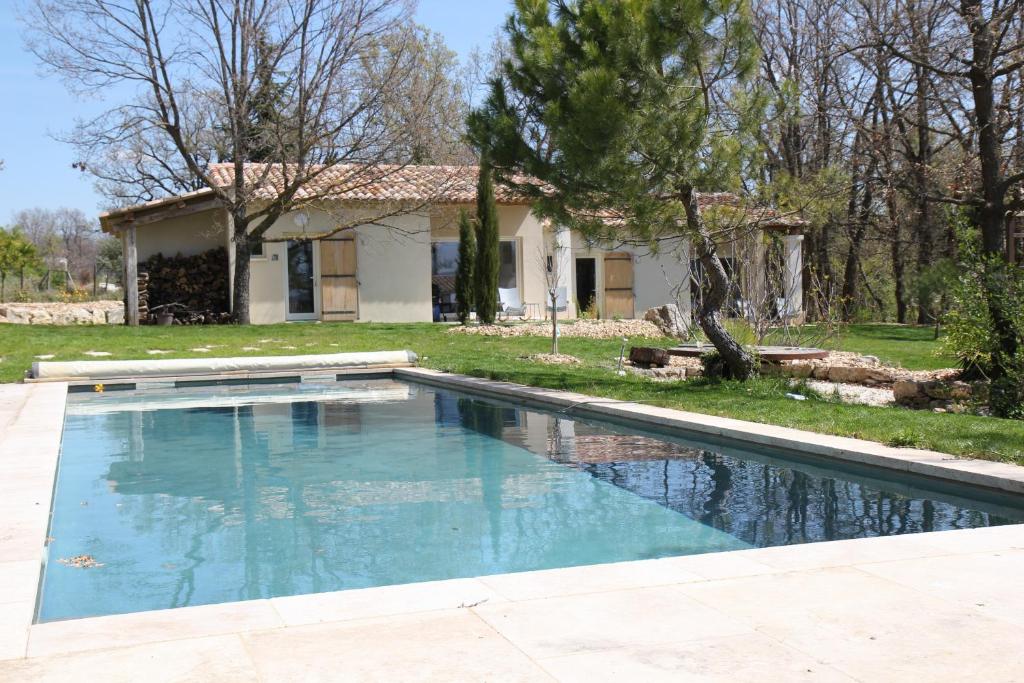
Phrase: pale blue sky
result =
(37, 168)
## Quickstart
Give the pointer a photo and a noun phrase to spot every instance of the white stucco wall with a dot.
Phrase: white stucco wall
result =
(655, 276)
(393, 267)
(662, 278)
(187, 235)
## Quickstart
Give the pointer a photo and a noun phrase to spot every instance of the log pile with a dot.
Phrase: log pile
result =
(143, 280)
(195, 288)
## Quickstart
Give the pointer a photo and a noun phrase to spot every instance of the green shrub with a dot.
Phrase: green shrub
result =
(987, 312)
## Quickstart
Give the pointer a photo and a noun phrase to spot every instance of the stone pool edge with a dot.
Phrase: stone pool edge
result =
(998, 476)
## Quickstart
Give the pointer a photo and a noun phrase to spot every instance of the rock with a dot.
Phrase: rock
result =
(115, 316)
(669, 320)
(648, 356)
(800, 370)
(847, 375)
(820, 372)
(906, 390)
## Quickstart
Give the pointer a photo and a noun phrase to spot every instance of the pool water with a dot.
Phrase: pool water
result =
(222, 494)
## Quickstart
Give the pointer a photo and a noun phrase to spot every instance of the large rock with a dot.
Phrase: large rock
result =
(669, 320)
(906, 390)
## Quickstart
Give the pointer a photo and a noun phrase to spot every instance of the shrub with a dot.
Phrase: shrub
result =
(985, 325)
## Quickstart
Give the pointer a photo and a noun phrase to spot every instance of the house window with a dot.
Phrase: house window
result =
(444, 262)
(507, 264)
(256, 250)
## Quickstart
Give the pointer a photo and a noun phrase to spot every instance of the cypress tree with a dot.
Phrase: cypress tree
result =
(487, 258)
(464, 274)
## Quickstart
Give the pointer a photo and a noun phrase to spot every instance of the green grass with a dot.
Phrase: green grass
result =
(762, 400)
(914, 348)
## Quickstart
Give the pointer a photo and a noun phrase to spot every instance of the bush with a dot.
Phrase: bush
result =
(977, 336)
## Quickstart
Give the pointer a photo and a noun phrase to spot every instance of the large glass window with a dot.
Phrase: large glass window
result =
(507, 261)
(444, 261)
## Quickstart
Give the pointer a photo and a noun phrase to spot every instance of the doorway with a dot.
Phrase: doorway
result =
(301, 278)
(586, 284)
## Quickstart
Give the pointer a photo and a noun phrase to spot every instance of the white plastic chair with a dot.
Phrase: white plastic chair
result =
(510, 304)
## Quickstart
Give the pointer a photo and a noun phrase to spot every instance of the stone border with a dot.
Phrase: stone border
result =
(987, 474)
(31, 418)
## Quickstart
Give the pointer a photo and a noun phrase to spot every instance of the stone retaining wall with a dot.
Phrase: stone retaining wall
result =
(939, 395)
(84, 313)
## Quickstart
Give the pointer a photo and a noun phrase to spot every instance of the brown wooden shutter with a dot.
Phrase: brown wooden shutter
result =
(618, 285)
(339, 290)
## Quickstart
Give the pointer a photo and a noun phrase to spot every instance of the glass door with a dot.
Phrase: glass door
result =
(302, 297)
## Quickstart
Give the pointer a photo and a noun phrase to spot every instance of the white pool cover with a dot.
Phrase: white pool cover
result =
(110, 369)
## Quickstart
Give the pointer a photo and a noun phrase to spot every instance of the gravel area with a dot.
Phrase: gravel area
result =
(588, 329)
(854, 393)
(555, 359)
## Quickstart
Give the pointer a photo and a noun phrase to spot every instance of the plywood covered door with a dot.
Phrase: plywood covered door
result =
(339, 290)
(618, 285)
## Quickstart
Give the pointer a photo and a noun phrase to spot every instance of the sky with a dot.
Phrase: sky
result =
(36, 107)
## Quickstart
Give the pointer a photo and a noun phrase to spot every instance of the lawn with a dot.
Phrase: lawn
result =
(761, 400)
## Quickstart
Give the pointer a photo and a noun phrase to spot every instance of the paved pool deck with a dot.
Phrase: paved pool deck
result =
(937, 606)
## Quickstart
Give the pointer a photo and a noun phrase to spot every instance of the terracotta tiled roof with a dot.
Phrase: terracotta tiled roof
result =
(381, 183)
(393, 183)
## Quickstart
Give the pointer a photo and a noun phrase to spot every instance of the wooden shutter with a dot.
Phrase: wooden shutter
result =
(618, 285)
(339, 290)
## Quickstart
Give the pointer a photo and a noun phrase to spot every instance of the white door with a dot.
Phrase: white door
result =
(300, 279)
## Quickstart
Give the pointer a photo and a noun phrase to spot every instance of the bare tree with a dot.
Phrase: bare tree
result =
(553, 261)
(197, 65)
(61, 234)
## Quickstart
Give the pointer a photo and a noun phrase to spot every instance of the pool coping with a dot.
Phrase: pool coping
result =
(34, 427)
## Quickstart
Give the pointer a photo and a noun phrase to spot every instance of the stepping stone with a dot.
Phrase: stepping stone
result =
(156, 352)
(45, 356)
(251, 348)
(200, 350)
(97, 354)
(290, 348)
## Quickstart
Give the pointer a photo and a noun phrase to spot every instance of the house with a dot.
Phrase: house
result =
(397, 262)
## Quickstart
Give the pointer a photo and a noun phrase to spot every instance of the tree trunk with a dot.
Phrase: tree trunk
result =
(243, 248)
(739, 362)
(991, 215)
(554, 322)
(898, 269)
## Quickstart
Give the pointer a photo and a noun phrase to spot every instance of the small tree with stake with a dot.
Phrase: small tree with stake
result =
(622, 111)
(487, 257)
(464, 273)
(553, 257)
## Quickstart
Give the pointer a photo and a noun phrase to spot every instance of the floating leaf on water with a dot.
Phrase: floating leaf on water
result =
(80, 562)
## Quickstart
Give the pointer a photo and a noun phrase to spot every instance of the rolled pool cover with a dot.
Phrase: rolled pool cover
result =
(177, 367)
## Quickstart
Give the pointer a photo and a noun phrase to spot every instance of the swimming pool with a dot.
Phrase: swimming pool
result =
(198, 496)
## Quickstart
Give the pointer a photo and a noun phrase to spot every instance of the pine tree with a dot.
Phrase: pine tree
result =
(464, 274)
(487, 257)
(627, 109)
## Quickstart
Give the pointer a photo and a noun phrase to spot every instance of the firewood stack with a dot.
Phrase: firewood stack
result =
(143, 280)
(199, 284)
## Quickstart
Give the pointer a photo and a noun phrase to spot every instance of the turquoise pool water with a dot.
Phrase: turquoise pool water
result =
(222, 494)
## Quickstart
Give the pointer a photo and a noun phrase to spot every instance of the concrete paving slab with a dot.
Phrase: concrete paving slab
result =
(453, 646)
(605, 621)
(753, 658)
(222, 659)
